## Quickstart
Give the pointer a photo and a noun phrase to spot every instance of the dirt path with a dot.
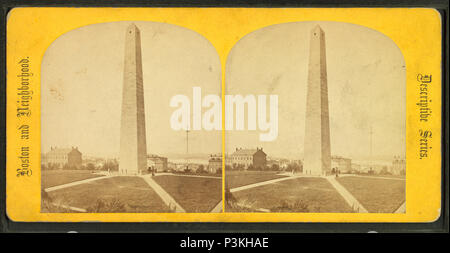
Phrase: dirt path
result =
(402, 208)
(168, 200)
(218, 208)
(54, 188)
(245, 187)
(351, 201)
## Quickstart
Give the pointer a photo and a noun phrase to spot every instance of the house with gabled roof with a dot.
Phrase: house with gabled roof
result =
(60, 157)
(246, 157)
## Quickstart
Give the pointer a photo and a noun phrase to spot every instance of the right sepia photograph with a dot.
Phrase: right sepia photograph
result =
(315, 121)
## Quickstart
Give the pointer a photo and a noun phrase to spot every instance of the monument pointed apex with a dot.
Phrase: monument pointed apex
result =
(317, 28)
(132, 26)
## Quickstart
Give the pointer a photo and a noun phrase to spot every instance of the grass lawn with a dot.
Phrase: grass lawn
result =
(235, 179)
(377, 195)
(194, 194)
(116, 194)
(294, 195)
(50, 178)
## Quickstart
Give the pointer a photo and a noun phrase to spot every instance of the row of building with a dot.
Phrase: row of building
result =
(73, 158)
(257, 158)
(242, 159)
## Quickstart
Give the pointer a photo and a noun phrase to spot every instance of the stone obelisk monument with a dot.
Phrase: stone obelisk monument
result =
(133, 144)
(317, 156)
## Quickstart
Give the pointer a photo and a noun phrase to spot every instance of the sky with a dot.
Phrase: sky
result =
(82, 78)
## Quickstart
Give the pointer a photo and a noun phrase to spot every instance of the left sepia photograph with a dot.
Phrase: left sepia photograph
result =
(121, 123)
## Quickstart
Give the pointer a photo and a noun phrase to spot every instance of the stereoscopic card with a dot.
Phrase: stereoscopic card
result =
(223, 114)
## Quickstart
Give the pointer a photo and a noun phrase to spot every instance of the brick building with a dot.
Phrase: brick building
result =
(398, 166)
(215, 163)
(246, 157)
(157, 162)
(60, 157)
(344, 165)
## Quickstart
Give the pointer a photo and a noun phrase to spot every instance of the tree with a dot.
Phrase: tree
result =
(275, 167)
(294, 167)
(110, 165)
(239, 166)
(90, 166)
(69, 167)
(384, 171)
(201, 169)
